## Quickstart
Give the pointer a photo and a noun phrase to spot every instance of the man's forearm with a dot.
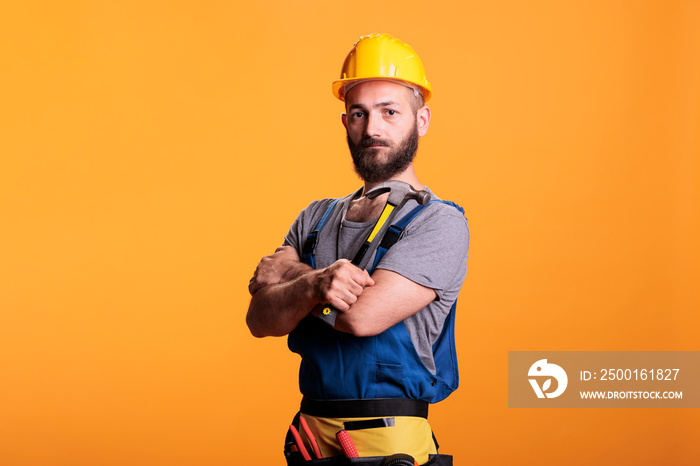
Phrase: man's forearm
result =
(276, 310)
(281, 267)
(295, 270)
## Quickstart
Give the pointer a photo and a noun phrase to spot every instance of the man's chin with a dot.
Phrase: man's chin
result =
(374, 151)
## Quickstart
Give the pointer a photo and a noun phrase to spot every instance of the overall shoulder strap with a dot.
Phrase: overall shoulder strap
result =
(393, 233)
(309, 249)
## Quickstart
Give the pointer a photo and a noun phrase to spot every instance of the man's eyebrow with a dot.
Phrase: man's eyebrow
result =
(388, 103)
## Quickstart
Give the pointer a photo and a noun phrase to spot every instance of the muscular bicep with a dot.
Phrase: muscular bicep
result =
(390, 300)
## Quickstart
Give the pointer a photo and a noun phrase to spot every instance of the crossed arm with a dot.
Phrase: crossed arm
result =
(284, 290)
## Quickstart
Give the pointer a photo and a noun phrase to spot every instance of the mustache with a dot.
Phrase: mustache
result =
(367, 142)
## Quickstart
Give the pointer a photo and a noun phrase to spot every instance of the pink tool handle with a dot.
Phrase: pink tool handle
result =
(300, 443)
(346, 444)
(312, 439)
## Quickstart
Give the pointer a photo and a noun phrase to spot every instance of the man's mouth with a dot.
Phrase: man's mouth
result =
(374, 143)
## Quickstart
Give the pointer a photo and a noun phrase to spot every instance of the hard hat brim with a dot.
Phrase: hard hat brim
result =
(338, 87)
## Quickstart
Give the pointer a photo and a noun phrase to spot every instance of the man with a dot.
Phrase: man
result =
(390, 350)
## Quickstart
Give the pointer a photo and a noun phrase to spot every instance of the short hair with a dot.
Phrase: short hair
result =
(416, 100)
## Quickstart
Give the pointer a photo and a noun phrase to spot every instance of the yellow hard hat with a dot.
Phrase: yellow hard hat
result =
(382, 57)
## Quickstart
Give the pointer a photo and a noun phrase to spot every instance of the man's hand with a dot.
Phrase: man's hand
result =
(280, 267)
(341, 284)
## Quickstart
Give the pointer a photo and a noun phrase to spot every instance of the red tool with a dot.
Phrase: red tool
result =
(299, 442)
(346, 444)
(312, 439)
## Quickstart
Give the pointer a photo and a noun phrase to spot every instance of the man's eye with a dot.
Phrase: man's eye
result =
(391, 112)
(357, 115)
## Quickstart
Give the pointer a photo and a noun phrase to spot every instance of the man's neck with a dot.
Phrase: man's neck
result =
(407, 176)
(364, 209)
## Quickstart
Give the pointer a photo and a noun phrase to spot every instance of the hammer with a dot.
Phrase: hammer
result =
(399, 194)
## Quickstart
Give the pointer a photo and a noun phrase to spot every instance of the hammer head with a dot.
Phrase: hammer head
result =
(398, 192)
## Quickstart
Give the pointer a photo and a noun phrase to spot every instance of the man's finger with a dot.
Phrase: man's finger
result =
(361, 277)
(348, 298)
(355, 288)
(338, 303)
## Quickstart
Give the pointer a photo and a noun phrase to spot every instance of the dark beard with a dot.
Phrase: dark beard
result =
(372, 171)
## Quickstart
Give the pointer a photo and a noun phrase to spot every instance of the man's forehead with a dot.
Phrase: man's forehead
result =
(375, 92)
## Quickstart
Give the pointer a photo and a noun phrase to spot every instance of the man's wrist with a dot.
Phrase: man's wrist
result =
(296, 270)
(311, 286)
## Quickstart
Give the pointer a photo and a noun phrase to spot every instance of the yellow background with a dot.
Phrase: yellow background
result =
(151, 152)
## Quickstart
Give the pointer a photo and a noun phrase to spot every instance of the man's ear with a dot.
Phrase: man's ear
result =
(344, 119)
(423, 120)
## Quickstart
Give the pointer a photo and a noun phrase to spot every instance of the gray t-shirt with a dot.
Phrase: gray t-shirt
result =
(432, 252)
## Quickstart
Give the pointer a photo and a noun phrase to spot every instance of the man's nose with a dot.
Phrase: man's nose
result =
(373, 127)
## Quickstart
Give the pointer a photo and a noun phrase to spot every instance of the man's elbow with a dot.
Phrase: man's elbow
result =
(261, 331)
(255, 329)
(256, 322)
(260, 327)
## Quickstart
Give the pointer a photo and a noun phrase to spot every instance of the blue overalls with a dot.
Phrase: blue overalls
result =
(339, 366)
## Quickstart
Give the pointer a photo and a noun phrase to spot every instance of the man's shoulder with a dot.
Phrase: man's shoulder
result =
(319, 205)
(316, 209)
(310, 217)
(440, 211)
(312, 214)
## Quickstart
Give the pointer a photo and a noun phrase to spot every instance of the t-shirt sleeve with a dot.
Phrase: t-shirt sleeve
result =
(432, 251)
(304, 224)
(293, 236)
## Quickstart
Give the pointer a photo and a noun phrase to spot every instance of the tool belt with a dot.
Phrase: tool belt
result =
(378, 427)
